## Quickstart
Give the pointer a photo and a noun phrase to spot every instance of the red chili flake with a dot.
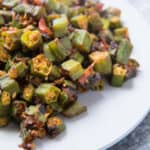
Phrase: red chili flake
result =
(104, 44)
(43, 27)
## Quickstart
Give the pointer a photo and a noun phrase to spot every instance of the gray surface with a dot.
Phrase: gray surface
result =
(139, 139)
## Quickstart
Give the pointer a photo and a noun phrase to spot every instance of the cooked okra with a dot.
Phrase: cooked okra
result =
(50, 52)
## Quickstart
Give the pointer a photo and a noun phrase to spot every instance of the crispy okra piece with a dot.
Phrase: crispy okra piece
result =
(28, 92)
(41, 66)
(82, 40)
(51, 5)
(31, 40)
(4, 56)
(73, 68)
(4, 110)
(55, 51)
(55, 73)
(74, 110)
(35, 11)
(66, 42)
(56, 107)
(17, 109)
(95, 23)
(80, 21)
(105, 23)
(118, 77)
(48, 93)
(9, 85)
(3, 121)
(54, 126)
(115, 22)
(2, 20)
(5, 98)
(122, 32)
(103, 62)
(17, 70)
(11, 39)
(60, 26)
(77, 56)
(124, 51)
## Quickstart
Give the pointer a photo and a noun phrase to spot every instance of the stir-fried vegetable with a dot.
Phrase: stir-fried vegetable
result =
(52, 50)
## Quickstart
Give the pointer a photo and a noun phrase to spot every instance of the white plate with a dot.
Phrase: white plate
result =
(113, 113)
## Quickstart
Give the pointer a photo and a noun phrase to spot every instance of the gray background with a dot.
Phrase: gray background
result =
(139, 139)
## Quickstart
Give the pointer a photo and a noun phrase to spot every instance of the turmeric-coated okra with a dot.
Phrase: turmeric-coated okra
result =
(50, 52)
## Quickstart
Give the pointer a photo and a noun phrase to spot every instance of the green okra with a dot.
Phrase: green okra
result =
(66, 42)
(2, 20)
(18, 70)
(55, 73)
(28, 92)
(80, 21)
(9, 85)
(41, 66)
(115, 22)
(82, 40)
(4, 56)
(60, 26)
(54, 126)
(94, 22)
(73, 68)
(124, 51)
(5, 98)
(118, 77)
(103, 62)
(63, 99)
(17, 108)
(11, 39)
(35, 11)
(77, 56)
(48, 93)
(74, 110)
(55, 51)
(31, 40)
(105, 23)
(56, 107)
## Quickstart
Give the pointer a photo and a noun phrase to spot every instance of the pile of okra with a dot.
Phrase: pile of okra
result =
(51, 51)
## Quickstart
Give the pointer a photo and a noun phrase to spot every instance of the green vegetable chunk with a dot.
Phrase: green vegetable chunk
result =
(124, 51)
(31, 40)
(48, 93)
(80, 21)
(103, 62)
(74, 110)
(9, 85)
(41, 66)
(54, 126)
(4, 56)
(2, 21)
(73, 68)
(55, 51)
(60, 26)
(119, 74)
(81, 39)
(78, 57)
(28, 92)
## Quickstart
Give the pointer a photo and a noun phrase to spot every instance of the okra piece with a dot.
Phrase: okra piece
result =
(2, 21)
(11, 39)
(3, 121)
(73, 68)
(17, 109)
(77, 56)
(81, 40)
(121, 32)
(60, 26)
(54, 126)
(55, 51)
(51, 5)
(41, 66)
(48, 93)
(55, 73)
(4, 56)
(74, 110)
(80, 21)
(103, 62)
(94, 22)
(115, 22)
(18, 70)
(9, 85)
(118, 77)
(66, 42)
(5, 98)
(124, 51)
(105, 23)
(4, 110)
(56, 107)
(28, 93)
(35, 11)
(31, 40)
